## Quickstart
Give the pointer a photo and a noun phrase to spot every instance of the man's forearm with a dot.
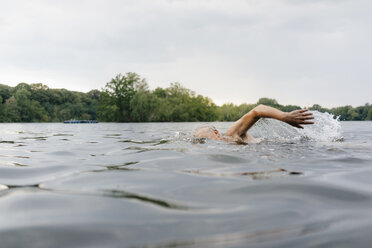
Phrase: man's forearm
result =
(263, 111)
(248, 120)
(296, 118)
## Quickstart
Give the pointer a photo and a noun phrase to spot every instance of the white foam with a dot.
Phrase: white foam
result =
(326, 128)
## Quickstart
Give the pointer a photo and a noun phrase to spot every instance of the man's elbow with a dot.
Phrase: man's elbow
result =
(257, 111)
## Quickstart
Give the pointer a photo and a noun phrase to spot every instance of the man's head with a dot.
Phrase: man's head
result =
(207, 131)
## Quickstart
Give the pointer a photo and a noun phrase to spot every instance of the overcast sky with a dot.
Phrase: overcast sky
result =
(296, 51)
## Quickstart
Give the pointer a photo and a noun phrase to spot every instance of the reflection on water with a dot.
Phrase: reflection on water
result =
(257, 175)
(152, 185)
(145, 199)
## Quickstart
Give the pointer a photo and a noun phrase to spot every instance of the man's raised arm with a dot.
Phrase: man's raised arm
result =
(295, 118)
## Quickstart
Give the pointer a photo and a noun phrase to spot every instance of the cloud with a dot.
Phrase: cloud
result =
(299, 52)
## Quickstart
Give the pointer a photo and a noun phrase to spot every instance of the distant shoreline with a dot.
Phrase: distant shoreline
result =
(127, 98)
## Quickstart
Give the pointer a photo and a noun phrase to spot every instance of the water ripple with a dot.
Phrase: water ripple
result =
(115, 193)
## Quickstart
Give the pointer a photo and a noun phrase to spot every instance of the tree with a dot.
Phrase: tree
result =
(369, 115)
(228, 112)
(268, 102)
(5, 92)
(2, 117)
(11, 111)
(141, 106)
(117, 95)
(36, 102)
(29, 110)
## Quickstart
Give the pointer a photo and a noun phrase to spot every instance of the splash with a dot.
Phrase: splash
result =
(326, 128)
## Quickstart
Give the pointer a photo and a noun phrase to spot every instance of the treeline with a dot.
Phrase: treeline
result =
(348, 113)
(127, 98)
(38, 103)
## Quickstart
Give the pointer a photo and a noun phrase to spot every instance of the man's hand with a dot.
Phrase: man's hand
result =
(298, 117)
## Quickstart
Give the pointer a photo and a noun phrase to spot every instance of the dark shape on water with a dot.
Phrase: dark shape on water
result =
(20, 165)
(7, 142)
(23, 186)
(256, 175)
(80, 121)
(119, 167)
(158, 202)
(35, 138)
(295, 173)
(156, 142)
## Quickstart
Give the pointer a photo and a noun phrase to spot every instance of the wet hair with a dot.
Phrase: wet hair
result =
(208, 128)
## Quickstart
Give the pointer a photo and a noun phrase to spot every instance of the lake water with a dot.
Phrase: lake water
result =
(150, 185)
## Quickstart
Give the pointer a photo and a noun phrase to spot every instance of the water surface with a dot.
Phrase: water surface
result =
(150, 185)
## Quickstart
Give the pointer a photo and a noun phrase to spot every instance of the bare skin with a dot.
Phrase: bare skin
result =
(238, 132)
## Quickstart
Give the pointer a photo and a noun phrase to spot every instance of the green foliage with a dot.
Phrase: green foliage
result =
(369, 115)
(268, 102)
(117, 96)
(141, 105)
(38, 103)
(127, 98)
(318, 108)
(228, 112)
(5, 92)
(348, 113)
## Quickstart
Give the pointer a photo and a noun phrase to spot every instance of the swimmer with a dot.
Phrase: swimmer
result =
(238, 132)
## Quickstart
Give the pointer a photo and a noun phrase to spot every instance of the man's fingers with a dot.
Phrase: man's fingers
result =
(302, 110)
(308, 118)
(302, 118)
